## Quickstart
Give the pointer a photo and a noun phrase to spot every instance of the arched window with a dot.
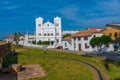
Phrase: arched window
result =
(115, 35)
(39, 25)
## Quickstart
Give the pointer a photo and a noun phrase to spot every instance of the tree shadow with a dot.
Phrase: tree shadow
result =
(86, 55)
(108, 61)
(117, 79)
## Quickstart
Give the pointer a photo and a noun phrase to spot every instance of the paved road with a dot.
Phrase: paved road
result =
(110, 55)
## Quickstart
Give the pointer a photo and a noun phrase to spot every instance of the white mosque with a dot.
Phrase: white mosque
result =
(46, 32)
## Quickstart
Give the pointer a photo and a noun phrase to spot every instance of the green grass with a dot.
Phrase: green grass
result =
(60, 69)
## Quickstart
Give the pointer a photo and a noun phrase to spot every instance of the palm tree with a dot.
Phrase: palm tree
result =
(17, 36)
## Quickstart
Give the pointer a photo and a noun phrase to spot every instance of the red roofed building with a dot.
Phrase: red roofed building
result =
(9, 39)
(80, 40)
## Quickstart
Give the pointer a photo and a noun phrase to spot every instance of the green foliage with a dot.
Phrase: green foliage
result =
(61, 69)
(43, 42)
(96, 41)
(33, 42)
(66, 35)
(17, 36)
(99, 41)
(116, 48)
(106, 39)
(117, 40)
(46, 42)
(39, 42)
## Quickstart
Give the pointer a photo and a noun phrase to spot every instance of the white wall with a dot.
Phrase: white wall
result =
(67, 46)
(82, 42)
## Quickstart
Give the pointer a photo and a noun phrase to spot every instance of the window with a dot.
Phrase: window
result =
(39, 34)
(52, 42)
(86, 38)
(48, 34)
(74, 38)
(47, 24)
(79, 38)
(51, 34)
(57, 24)
(57, 41)
(115, 35)
(86, 46)
(74, 45)
(94, 35)
(110, 34)
(65, 44)
(57, 34)
(79, 46)
(107, 45)
(39, 25)
(44, 34)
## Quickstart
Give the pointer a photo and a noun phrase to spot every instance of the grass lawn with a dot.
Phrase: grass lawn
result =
(60, 69)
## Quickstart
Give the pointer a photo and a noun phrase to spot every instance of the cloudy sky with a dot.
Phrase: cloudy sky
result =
(19, 15)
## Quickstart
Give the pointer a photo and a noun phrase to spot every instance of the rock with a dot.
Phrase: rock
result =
(15, 68)
(0, 66)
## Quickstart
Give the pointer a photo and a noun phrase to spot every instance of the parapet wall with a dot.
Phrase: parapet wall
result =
(5, 49)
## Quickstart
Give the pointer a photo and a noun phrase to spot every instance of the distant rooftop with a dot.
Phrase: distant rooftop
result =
(1, 42)
(86, 32)
(113, 25)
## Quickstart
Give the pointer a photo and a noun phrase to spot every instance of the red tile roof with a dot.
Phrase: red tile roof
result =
(68, 39)
(86, 32)
(10, 37)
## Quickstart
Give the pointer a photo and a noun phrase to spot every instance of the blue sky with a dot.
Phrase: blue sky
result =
(19, 15)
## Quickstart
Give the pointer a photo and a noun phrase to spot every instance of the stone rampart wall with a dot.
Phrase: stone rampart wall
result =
(5, 49)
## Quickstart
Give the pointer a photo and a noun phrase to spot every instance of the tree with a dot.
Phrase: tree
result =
(116, 44)
(106, 39)
(44, 44)
(17, 37)
(34, 42)
(99, 42)
(96, 42)
(39, 42)
(66, 35)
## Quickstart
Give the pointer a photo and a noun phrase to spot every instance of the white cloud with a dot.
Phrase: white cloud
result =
(11, 7)
(108, 5)
(101, 22)
(4, 2)
(70, 12)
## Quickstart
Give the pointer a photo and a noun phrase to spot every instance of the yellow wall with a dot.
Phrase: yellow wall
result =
(112, 31)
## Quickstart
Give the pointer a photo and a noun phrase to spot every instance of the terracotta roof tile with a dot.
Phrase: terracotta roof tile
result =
(10, 37)
(68, 39)
(85, 33)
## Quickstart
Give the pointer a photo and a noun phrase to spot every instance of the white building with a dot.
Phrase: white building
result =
(47, 32)
(9, 39)
(69, 31)
(66, 43)
(80, 40)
